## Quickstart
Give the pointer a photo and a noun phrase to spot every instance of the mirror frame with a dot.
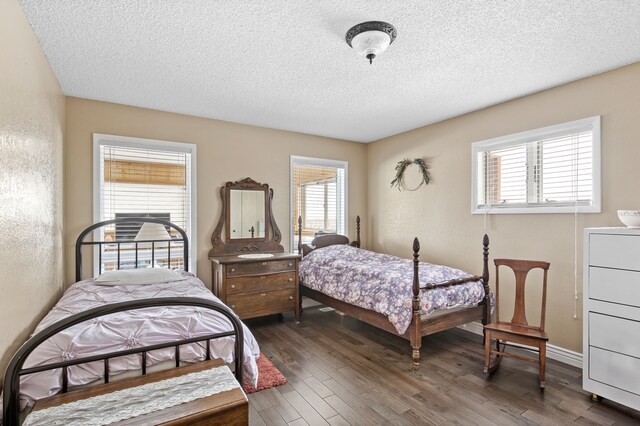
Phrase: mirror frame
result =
(272, 235)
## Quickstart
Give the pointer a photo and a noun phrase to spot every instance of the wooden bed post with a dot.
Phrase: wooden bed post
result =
(300, 235)
(486, 313)
(356, 242)
(415, 331)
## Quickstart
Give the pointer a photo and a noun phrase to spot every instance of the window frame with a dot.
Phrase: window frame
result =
(320, 162)
(531, 136)
(100, 139)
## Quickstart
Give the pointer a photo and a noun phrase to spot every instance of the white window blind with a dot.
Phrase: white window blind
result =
(554, 169)
(144, 179)
(318, 196)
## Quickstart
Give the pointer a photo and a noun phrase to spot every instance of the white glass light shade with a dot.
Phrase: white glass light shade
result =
(371, 43)
(152, 231)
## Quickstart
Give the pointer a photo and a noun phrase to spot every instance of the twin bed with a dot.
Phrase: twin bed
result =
(408, 298)
(98, 330)
(136, 323)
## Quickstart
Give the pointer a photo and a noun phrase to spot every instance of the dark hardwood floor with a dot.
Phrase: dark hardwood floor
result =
(342, 371)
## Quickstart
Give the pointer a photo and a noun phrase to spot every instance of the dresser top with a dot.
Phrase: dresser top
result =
(622, 230)
(237, 259)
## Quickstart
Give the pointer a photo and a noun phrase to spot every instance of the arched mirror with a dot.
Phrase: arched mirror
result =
(247, 220)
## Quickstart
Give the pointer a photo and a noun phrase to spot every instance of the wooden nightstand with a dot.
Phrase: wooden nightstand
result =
(257, 287)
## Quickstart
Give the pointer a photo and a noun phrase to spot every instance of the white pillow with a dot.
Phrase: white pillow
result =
(139, 276)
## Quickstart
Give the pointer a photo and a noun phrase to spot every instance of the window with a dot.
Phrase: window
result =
(555, 169)
(143, 178)
(318, 195)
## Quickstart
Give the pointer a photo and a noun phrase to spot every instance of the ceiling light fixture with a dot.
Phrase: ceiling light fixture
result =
(371, 38)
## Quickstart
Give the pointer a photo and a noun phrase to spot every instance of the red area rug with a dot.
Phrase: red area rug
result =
(268, 376)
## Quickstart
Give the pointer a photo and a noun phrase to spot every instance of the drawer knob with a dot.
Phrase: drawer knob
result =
(233, 286)
(233, 269)
(263, 294)
(264, 263)
(262, 277)
(233, 306)
(290, 279)
(290, 264)
(290, 297)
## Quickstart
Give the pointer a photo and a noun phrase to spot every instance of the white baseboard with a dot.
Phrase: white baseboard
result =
(554, 352)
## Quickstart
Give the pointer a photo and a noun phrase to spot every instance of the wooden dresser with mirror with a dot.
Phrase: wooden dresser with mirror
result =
(251, 272)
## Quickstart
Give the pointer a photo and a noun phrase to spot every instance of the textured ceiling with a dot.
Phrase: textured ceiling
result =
(284, 64)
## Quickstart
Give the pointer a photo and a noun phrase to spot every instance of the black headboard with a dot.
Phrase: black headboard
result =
(181, 238)
(129, 230)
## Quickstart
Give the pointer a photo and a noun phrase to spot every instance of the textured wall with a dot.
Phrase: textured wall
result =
(440, 213)
(225, 151)
(31, 133)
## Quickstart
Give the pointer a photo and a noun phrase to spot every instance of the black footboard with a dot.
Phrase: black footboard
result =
(11, 399)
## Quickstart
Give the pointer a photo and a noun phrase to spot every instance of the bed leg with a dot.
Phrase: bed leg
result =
(415, 356)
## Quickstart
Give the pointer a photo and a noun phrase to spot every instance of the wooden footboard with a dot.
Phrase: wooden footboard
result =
(420, 327)
(16, 369)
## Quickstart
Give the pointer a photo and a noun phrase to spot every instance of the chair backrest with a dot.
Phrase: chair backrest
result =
(521, 268)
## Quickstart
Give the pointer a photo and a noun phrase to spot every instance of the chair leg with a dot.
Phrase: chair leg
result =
(491, 364)
(543, 363)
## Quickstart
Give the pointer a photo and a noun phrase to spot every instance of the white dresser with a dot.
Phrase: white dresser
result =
(611, 348)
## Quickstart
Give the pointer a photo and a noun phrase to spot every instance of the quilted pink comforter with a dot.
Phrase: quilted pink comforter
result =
(127, 330)
(383, 283)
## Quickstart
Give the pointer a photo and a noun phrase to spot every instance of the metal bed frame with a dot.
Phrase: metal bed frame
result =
(80, 242)
(15, 369)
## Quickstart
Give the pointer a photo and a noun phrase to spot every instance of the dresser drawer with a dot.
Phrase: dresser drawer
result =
(614, 369)
(614, 285)
(614, 333)
(261, 283)
(615, 251)
(262, 267)
(251, 305)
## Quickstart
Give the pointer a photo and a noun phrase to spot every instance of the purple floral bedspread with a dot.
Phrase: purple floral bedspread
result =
(383, 283)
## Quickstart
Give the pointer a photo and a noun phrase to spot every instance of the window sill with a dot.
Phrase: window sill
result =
(538, 210)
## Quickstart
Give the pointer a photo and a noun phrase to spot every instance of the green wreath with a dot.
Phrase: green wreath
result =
(402, 166)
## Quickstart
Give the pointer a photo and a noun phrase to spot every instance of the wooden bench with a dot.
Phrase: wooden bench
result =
(228, 407)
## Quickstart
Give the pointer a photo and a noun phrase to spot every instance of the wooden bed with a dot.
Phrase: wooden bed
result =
(16, 368)
(419, 326)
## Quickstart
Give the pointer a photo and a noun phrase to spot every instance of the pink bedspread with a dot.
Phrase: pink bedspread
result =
(127, 330)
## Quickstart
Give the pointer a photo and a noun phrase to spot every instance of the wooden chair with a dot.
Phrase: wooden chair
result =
(518, 329)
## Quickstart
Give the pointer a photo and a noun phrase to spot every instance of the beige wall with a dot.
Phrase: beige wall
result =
(31, 133)
(440, 213)
(225, 152)
(32, 123)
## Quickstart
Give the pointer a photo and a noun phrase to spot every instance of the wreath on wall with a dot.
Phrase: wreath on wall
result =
(400, 169)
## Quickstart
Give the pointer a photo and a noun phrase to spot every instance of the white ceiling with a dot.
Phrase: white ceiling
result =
(284, 64)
